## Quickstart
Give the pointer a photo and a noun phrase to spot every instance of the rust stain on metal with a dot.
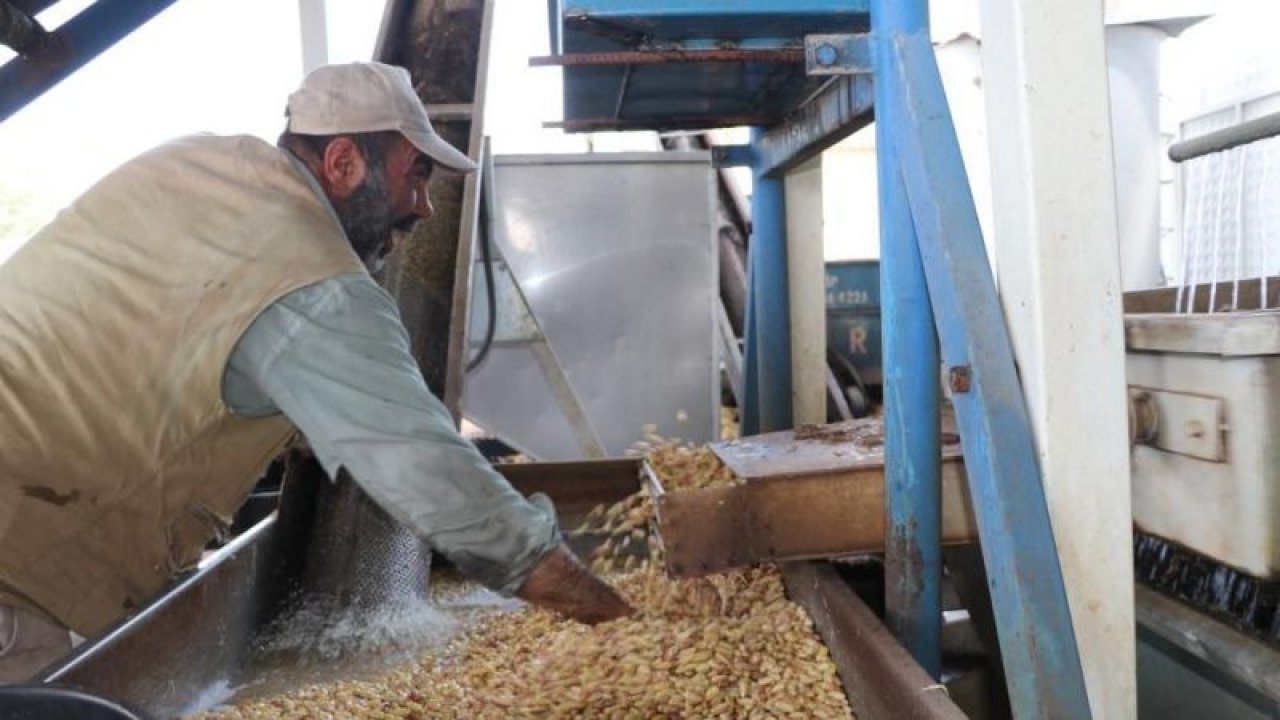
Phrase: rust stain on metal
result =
(660, 57)
(904, 585)
(814, 449)
(49, 495)
(863, 434)
(802, 495)
(880, 678)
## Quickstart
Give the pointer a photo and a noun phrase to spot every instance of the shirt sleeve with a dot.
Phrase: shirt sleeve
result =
(334, 357)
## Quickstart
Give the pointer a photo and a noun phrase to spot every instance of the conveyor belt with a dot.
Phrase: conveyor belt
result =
(191, 647)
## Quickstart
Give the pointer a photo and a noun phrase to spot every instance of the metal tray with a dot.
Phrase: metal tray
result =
(814, 492)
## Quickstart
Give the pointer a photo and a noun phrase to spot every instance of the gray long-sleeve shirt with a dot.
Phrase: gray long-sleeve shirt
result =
(334, 357)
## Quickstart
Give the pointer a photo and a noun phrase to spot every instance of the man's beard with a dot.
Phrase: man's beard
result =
(367, 218)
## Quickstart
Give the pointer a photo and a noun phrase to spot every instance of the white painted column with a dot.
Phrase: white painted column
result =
(1057, 252)
(805, 277)
(1133, 60)
(315, 36)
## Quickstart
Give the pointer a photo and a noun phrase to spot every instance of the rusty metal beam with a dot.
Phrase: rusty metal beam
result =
(879, 677)
(660, 57)
(821, 495)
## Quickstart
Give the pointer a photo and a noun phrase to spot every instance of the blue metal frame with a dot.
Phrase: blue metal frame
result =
(87, 35)
(603, 93)
(1033, 619)
(913, 488)
(935, 274)
(838, 111)
(769, 343)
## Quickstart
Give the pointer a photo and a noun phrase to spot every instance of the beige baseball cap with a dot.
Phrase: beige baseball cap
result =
(368, 97)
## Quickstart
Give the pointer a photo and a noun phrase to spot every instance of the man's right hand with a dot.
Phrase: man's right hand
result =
(560, 582)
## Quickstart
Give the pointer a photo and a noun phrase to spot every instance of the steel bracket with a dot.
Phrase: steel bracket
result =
(727, 156)
(1186, 424)
(838, 54)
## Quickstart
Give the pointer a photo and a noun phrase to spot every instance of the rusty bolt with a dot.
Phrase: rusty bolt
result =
(826, 54)
(959, 379)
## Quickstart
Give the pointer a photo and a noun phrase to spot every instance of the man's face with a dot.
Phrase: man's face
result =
(391, 198)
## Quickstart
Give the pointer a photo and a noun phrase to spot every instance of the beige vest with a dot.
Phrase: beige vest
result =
(118, 458)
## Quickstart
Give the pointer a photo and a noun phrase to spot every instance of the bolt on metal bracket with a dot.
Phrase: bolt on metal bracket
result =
(838, 54)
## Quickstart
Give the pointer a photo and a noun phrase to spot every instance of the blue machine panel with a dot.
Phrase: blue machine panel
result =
(853, 316)
(604, 89)
(742, 20)
(853, 285)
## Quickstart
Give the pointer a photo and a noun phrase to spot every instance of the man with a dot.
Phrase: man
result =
(163, 336)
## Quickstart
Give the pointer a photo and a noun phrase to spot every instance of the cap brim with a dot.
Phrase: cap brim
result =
(441, 152)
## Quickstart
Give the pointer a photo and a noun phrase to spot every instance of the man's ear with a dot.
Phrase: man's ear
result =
(342, 167)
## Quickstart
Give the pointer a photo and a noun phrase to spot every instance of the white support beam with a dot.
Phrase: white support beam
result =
(806, 274)
(1057, 253)
(313, 25)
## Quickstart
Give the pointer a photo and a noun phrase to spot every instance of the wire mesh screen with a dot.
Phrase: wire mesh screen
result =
(1230, 220)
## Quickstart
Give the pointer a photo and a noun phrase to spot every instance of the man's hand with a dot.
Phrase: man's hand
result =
(560, 582)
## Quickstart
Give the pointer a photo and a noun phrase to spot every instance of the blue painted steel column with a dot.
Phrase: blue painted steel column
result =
(913, 548)
(1037, 640)
(770, 341)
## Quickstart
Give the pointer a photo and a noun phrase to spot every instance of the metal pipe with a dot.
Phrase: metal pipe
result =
(769, 296)
(913, 552)
(1226, 138)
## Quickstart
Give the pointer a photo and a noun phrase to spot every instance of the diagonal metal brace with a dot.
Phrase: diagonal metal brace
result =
(75, 43)
(1025, 578)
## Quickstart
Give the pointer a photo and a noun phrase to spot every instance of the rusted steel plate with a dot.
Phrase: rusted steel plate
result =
(815, 449)
(811, 493)
(880, 678)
